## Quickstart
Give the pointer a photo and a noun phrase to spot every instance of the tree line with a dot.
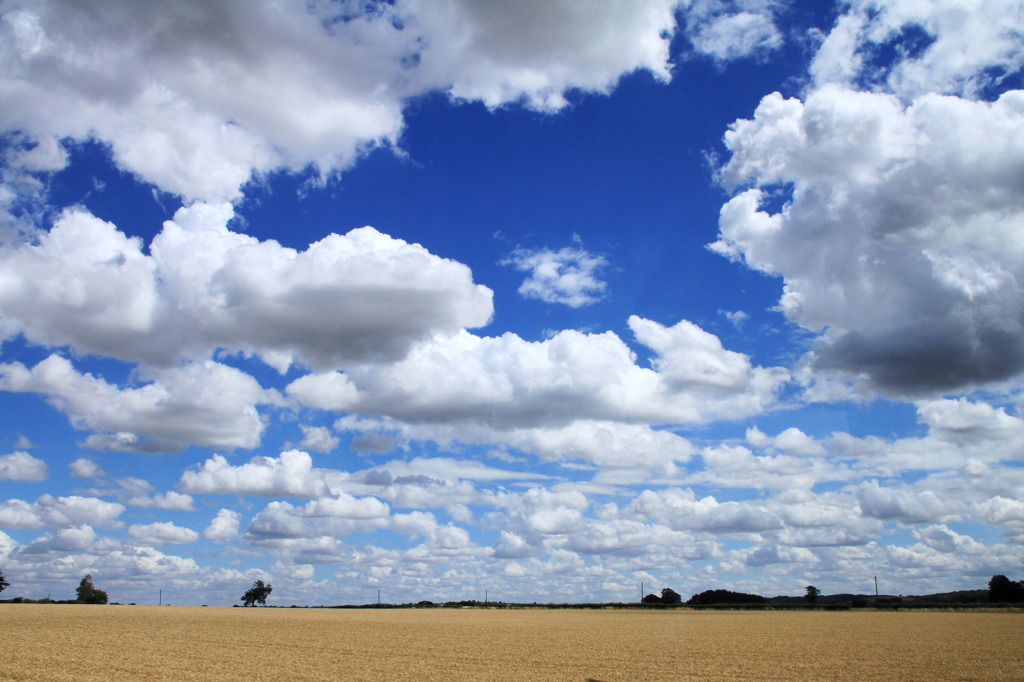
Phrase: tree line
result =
(1001, 590)
(710, 597)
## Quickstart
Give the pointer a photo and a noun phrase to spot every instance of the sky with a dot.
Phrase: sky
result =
(543, 301)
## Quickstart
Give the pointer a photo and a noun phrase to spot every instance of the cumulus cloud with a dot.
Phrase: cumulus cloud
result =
(60, 512)
(943, 46)
(206, 403)
(680, 509)
(733, 30)
(569, 276)
(898, 242)
(137, 77)
(74, 539)
(507, 382)
(311, 83)
(21, 466)
(83, 467)
(791, 441)
(966, 422)
(536, 50)
(905, 506)
(282, 521)
(168, 500)
(224, 526)
(161, 533)
(289, 475)
(355, 297)
(318, 438)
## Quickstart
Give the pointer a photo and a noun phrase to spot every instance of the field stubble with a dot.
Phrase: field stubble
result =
(66, 642)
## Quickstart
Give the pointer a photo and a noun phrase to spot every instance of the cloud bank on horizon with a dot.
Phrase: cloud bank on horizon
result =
(209, 375)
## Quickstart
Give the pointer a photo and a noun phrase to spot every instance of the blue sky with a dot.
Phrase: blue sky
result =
(542, 299)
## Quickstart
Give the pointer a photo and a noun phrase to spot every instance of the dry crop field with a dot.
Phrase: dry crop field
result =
(69, 642)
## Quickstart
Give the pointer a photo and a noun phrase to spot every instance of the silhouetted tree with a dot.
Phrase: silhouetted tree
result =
(257, 594)
(652, 599)
(670, 596)
(3, 583)
(812, 594)
(88, 594)
(1002, 589)
(725, 597)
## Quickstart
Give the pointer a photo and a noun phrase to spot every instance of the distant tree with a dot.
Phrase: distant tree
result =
(812, 594)
(652, 599)
(257, 594)
(670, 596)
(88, 594)
(1002, 589)
(725, 597)
(3, 582)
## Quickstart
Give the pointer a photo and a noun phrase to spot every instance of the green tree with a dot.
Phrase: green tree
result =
(670, 596)
(1002, 589)
(3, 582)
(257, 594)
(88, 594)
(708, 597)
(812, 594)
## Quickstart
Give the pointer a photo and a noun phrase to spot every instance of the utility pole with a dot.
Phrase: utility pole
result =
(641, 591)
(378, 597)
(876, 586)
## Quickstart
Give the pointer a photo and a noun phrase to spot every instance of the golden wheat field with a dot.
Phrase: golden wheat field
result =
(69, 642)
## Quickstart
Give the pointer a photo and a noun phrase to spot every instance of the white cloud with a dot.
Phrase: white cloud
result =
(21, 466)
(289, 475)
(283, 522)
(325, 391)
(168, 500)
(138, 76)
(59, 512)
(688, 356)
(679, 509)
(308, 87)
(318, 438)
(535, 50)
(919, 202)
(792, 441)
(607, 444)
(905, 506)
(513, 546)
(224, 526)
(968, 423)
(773, 554)
(206, 403)
(715, 29)
(355, 297)
(83, 467)
(344, 506)
(506, 382)
(736, 318)
(450, 470)
(569, 276)
(736, 466)
(161, 533)
(74, 539)
(943, 46)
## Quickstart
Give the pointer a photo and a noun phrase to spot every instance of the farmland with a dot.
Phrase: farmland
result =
(60, 642)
